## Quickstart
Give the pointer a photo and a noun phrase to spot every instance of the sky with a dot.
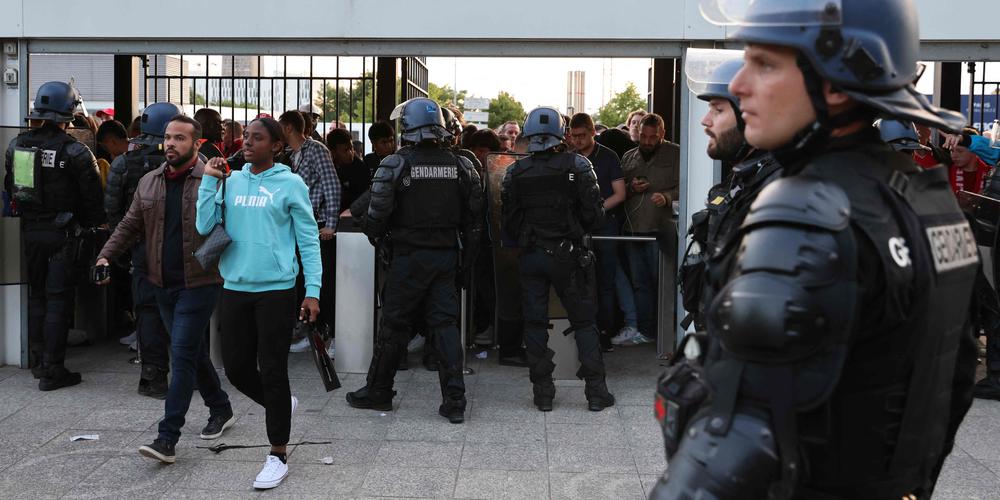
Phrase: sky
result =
(539, 81)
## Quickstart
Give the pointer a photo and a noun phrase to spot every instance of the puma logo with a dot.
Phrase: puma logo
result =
(270, 195)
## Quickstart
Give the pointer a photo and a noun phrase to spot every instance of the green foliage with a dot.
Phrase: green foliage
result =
(504, 108)
(615, 111)
(348, 105)
(445, 95)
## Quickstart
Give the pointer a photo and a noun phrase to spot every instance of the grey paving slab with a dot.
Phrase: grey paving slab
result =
(586, 435)
(47, 476)
(176, 493)
(648, 482)
(111, 443)
(35, 424)
(520, 411)
(342, 451)
(488, 431)
(222, 475)
(979, 436)
(568, 458)
(129, 477)
(418, 454)
(425, 428)
(409, 482)
(590, 485)
(504, 456)
(576, 412)
(497, 484)
(352, 427)
(121, 419)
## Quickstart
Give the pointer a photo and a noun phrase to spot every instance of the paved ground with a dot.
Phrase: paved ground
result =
(506, 449)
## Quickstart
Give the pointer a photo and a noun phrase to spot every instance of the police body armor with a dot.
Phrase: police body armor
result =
(428, 200)
(727, 206)
(547, 207)
(127, 170)
(42, 188)
(812, 377)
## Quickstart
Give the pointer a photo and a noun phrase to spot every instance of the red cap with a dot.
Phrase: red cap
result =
(264, 115)
(107, 111)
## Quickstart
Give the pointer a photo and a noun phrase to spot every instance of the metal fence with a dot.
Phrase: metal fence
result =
(984, 100)
(241, 87)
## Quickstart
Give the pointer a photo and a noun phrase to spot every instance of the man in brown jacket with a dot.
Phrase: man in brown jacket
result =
(163, 213)
(652, 177)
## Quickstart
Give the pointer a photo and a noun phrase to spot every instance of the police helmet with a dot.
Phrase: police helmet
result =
(55, 101)
(420, 119)
(866, 49)
(153, 123)
(709, 72)
(900, 135)
(544, 129)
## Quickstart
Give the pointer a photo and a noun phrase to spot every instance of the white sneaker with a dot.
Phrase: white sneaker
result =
(272, 474)
(624, 335)
(128, 339)
(637, 339)
(416, 344)
(300, 346)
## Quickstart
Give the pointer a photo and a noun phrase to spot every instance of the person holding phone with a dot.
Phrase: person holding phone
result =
(161, 213)
(268, 214)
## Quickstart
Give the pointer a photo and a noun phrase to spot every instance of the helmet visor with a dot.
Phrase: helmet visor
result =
(701, 68)
(771, 12)
(397, 111)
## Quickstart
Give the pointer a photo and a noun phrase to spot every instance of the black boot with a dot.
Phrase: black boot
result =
(453, 410)
(56, 377)
(598, 397)
(987, 388)
(35, 362)
(540, 370)
(365, 400)
(153, 382)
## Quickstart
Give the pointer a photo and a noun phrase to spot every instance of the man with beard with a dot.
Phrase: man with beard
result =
(750, 169)
(212, 131)
(652, 177)
(163, 214)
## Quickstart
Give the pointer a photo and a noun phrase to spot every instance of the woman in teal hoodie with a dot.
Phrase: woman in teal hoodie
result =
(267, 214)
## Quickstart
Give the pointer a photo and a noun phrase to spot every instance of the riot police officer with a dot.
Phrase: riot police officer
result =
(426, 208)
(123, 179)
(840, 358)
(551, 200)
(709, 72)
(53, 180)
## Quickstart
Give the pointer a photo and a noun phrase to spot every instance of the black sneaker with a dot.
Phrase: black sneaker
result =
(453, 410)
(159, 450)
(217, 424)
(359, 399)
(57, 377)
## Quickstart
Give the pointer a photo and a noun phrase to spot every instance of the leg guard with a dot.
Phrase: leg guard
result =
(540, 370)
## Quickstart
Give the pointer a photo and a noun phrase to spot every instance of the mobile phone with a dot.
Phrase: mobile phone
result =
(100, 273)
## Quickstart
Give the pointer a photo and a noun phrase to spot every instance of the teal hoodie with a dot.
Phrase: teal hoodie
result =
(266, 216)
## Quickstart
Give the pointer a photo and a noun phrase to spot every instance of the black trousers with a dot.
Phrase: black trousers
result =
(419, 280)
(575, 287)
(51, 283)
(255, 345)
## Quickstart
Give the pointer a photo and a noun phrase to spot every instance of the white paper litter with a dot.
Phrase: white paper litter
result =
(85, 437)
(481, 355)
(328, 460)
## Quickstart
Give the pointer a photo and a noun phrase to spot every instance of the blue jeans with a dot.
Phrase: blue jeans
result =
(643, 260)
(606, 253)
(186, 313)
(626, 297)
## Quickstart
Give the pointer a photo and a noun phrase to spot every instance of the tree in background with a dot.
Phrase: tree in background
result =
(444, 94)
(505, 108)
(615, 111)
(348, 104)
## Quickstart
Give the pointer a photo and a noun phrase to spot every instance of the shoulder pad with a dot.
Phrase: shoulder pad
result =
(803, 201)
(392, 162)
(77, 148)
(465, 163)
(581, 163)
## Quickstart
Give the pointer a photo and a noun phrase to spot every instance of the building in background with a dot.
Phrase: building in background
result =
(575, 91)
